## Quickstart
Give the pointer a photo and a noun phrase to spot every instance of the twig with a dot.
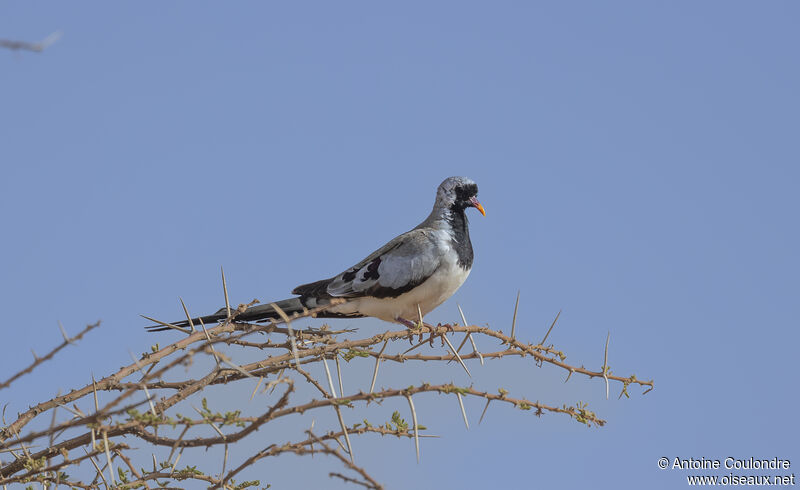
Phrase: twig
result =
(551, 328)
(129, 464)
(514, 320)
(347, 479)
(349, 464)
(39, 360)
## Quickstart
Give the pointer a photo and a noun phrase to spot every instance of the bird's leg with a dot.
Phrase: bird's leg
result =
(416, 327)
(408, 323)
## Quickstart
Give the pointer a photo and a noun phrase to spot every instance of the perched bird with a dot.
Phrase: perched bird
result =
(415, 272)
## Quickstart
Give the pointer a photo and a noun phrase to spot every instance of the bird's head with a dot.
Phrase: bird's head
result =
(458, 194)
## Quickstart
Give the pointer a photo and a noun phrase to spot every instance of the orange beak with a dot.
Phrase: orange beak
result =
(477, 205)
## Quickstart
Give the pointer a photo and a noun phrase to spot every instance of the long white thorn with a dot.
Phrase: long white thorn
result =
(463, 412)
(605, 363)
(416, 427)
(453, 349)
(377, 363)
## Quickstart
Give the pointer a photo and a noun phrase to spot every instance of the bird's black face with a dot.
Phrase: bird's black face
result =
(458, 194)
(467, 197)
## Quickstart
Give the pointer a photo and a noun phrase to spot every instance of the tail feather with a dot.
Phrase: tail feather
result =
(259, 313)
(265, 313)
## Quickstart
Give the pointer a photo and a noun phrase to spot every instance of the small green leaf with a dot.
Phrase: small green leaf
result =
(351, 353)
(400, 424)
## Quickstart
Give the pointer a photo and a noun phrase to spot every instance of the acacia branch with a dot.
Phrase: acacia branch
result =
(37, 361)
(164, 377)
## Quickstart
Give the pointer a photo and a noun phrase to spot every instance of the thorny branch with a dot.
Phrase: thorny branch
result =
(37, 361)
(140, 402)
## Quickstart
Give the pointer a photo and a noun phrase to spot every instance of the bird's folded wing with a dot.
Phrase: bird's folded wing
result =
(397, 267)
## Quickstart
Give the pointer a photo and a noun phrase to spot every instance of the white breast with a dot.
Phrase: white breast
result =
(428, 295)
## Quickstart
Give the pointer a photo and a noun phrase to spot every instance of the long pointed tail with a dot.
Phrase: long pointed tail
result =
(259, 313)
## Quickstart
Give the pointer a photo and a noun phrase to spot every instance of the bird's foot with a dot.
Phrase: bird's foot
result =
(417, 328)
(409, 324)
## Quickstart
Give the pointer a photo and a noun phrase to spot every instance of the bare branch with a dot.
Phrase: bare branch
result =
(141, 401)
(39, 360)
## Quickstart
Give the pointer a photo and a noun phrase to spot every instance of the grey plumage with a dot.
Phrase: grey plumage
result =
(395, 268)
(417, 270)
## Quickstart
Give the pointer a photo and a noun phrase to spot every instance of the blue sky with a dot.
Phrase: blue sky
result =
(638, 162)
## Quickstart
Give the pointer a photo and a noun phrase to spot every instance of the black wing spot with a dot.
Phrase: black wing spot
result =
(372, 270)
(349, 275)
